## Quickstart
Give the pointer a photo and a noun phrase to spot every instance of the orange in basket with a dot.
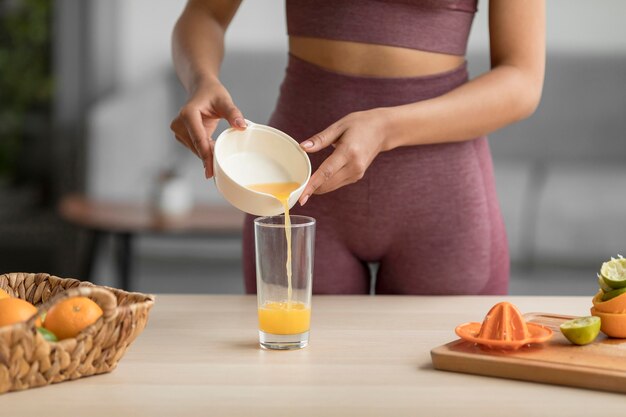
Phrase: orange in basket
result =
(14, 310)
(29, 360)
(71, 316)
(503, 328)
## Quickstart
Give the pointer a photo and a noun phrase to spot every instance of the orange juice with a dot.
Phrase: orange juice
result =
(283, 318)
(281, 191)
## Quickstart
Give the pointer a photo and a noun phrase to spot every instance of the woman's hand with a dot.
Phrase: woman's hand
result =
(197, 120)
(357, 139)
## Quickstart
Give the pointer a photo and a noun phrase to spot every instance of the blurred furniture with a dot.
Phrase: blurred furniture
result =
(369, 356)
(124, 221)
(32, 237)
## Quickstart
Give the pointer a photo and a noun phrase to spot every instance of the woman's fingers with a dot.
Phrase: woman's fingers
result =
(192, 118)
(322, 139)
(198, 119)
(331, 166)
(181, 135)
(186, 142)
(231, 113)
(341, 178)
(356, 139)
(194, 123)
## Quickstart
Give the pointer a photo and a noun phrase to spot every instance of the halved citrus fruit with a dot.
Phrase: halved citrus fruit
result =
(581, 331)
(612, 325)
(612, 294)
(613, 272)
(615, 305)
(603, 285)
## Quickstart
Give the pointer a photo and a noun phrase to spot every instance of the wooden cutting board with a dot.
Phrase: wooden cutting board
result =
(600, 365)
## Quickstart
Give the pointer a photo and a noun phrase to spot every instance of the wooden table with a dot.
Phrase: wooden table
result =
(369, 356)
(124, 221)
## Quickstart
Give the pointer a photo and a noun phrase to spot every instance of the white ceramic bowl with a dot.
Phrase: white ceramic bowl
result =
(259, 154)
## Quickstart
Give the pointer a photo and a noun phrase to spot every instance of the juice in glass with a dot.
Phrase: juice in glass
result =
(284, 274)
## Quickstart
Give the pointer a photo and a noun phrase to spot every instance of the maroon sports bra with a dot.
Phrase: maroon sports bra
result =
(429, 25)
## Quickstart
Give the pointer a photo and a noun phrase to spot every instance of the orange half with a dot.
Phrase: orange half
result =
(615, 305)
(611, 324)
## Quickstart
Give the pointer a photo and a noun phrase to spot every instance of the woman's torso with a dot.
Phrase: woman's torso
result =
(393, 38)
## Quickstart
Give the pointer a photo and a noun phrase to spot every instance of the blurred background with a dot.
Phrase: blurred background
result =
(87, 92)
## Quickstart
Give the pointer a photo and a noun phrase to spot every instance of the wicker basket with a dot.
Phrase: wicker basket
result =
(27, 360)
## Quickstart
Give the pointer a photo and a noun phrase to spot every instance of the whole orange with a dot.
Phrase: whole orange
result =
(15, 310)
(69, 317)
(3, 294)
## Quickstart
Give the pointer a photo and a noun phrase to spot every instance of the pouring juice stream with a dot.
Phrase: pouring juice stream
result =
(281, 191)
(279, 317)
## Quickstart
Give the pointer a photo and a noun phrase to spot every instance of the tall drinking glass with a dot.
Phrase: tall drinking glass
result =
(284, 288)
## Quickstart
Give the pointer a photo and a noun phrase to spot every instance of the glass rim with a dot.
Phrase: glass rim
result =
(309, 221)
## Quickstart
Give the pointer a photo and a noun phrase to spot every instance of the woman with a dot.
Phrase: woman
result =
(378, 93)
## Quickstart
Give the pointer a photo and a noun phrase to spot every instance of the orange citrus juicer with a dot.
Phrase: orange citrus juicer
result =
(503, 328)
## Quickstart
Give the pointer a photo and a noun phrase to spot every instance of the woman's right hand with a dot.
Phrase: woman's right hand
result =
(208, 103)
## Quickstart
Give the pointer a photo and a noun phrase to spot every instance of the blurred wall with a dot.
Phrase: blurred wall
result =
(573, 26)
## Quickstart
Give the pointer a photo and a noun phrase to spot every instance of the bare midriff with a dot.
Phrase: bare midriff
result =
(371, 60)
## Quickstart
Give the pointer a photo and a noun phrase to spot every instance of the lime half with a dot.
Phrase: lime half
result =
(581, 331)
(613, 293)
(603, 285)
(614, 272)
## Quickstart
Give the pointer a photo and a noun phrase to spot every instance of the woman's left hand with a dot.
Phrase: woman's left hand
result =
(357, 139)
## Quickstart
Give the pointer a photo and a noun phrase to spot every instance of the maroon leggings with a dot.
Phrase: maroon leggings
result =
(428, 214)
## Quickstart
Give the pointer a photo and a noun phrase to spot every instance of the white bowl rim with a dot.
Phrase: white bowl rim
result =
(283, 135)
